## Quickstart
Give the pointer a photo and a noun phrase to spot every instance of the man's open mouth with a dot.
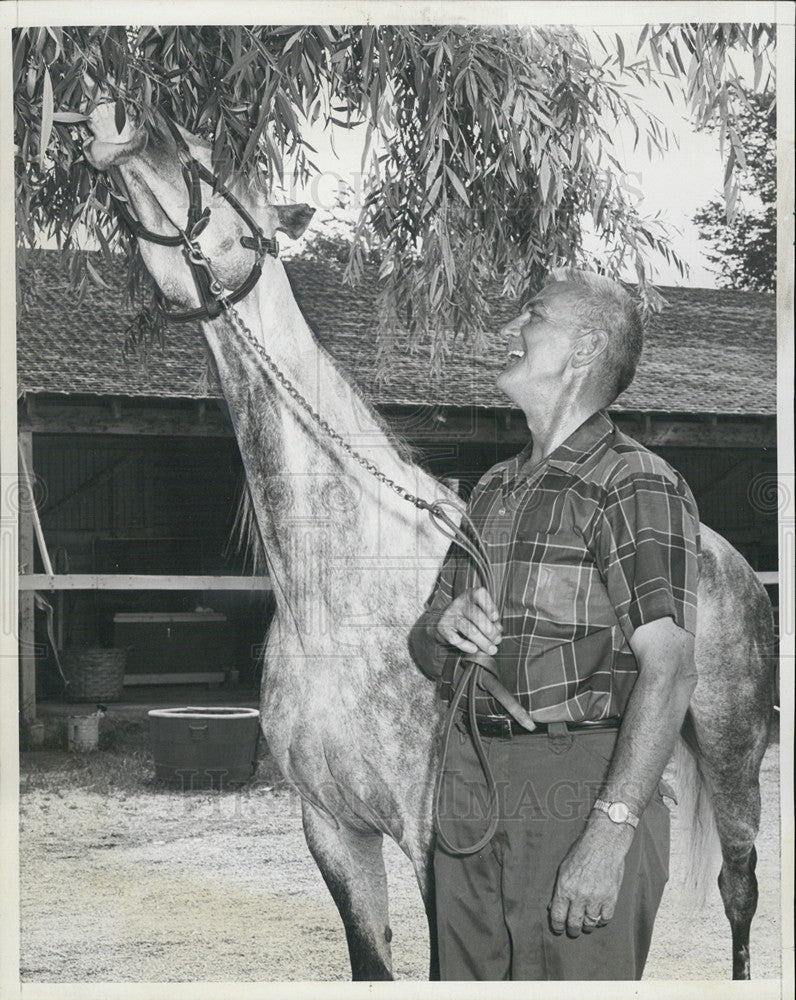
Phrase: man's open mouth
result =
(515, 356)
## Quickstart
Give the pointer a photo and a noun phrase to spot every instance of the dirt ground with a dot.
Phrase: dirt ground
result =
(125, 880)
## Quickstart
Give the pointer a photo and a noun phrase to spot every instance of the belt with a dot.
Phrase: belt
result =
(504, 727)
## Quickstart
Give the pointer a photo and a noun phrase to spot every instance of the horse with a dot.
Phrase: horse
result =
(352, 723)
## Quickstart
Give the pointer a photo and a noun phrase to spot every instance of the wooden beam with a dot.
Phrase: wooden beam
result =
(197, 677)
(127, 581)
(138, 419)
(478, 426)
(29, 491)
(730, 432)
(27, 602)
(130, 581)
(463, 425)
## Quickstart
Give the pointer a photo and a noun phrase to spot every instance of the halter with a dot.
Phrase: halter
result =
(214, 297)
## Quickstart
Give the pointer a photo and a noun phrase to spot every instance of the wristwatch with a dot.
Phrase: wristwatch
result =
(618, 812)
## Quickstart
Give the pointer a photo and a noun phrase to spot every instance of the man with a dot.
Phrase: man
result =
(594, 542)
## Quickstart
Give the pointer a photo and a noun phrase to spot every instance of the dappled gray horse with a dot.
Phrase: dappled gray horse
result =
(350, 720)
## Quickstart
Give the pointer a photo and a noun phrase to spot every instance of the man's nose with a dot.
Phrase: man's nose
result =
(513, 328)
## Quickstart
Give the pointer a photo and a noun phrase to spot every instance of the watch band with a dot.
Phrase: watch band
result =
(618, 812)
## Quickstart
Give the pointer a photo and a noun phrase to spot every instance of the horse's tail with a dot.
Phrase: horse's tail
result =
(697, 824)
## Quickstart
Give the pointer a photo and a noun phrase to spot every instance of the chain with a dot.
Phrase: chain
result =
(219, 293)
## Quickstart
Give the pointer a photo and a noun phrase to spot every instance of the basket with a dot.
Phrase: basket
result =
(94, 674)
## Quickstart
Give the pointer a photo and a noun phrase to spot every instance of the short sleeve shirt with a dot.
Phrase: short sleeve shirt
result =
(599, 538)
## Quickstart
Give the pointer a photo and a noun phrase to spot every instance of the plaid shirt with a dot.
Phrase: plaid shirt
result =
(597, 539)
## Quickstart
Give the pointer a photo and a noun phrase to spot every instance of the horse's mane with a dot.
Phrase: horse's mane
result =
(245, 534)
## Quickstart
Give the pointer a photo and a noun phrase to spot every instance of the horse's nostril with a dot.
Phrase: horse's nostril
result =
(102, 123)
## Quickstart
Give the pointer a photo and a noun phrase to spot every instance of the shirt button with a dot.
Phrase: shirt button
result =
(502, 510)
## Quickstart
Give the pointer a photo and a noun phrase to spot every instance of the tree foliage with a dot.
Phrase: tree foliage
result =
(745, 246)
(487, 149)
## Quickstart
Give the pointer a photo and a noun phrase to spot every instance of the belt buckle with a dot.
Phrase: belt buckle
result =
(503, 723)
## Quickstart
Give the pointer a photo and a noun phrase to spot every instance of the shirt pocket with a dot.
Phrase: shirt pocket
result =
(553, 577)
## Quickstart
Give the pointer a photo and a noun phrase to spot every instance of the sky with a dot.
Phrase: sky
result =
(675, 184)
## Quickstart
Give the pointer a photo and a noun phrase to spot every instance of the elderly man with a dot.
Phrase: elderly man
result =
(594, 541)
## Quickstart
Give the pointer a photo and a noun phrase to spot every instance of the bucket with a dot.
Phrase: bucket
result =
(36, 733)
(82, 732)
(204, 747)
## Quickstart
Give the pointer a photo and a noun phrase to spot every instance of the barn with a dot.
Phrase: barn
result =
(135, 472)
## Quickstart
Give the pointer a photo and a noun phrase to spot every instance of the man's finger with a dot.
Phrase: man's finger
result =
(590, 921)
(483, 598)
(474, 634)
(464, 645)
(607, 913)
(558, 914)
(575, 918)
(481, 620)
(452, 637)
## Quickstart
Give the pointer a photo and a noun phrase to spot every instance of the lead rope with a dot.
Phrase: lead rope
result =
(473, 664)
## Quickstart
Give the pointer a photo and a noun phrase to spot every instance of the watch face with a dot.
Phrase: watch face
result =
(618, 812)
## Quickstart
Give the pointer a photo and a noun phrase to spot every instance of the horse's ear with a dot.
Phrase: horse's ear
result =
(294, 219)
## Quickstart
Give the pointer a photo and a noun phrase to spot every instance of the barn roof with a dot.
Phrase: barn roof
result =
(709, 351)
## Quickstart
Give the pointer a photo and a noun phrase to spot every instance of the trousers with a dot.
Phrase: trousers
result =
(492, 907)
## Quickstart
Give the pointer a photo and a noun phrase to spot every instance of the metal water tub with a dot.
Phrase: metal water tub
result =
(204, 747)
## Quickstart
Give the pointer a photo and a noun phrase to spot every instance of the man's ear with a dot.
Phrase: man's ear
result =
(293, 219)
(588, 347)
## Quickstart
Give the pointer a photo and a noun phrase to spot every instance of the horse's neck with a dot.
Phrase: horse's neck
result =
(316, 508)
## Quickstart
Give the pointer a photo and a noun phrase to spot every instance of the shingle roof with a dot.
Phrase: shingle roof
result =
(709, 351)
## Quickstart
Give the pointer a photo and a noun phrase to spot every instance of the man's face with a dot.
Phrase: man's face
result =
(539, 343)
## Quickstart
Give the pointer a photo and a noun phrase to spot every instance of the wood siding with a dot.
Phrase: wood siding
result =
(146, 504)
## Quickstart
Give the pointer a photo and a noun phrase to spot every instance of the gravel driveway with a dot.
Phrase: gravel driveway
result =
(123, 880)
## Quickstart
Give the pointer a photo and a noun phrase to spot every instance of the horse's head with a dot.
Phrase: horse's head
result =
(157, 190)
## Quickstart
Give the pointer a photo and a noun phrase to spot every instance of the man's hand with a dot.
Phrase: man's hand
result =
(589, 878)
(470, 622)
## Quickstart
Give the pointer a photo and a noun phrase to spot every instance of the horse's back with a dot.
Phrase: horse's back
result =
(735, 647)
(733, 604)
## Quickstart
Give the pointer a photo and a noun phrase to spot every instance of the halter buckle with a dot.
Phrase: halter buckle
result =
(261, 244)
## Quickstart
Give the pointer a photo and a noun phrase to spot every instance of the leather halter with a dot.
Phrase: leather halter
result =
(211, 293)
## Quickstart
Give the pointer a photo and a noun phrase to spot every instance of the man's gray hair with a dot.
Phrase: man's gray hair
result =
(605, 305)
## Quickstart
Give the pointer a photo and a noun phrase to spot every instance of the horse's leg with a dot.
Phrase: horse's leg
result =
(422, 858)
(729, 720)
(729, 760)
(352, 866)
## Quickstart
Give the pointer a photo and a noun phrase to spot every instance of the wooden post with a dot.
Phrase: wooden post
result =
(26, 550)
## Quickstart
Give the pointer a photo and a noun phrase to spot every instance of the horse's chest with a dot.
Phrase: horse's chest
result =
(341, 705)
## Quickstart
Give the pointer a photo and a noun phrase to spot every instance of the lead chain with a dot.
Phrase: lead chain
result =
(294, 393)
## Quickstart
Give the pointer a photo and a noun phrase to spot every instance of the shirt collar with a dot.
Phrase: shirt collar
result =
(577, 448)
